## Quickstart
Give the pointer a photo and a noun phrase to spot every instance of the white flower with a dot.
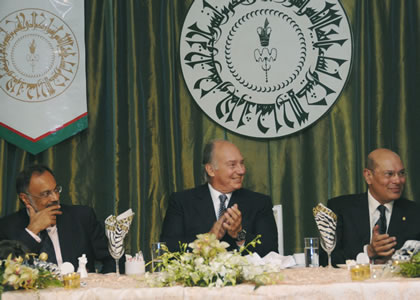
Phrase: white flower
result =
(209, 264)
(198, 261)
(12, 280)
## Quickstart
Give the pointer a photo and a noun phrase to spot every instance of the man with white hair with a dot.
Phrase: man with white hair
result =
(221, 206)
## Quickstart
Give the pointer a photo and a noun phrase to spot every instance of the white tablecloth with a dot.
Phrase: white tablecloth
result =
(303, 283)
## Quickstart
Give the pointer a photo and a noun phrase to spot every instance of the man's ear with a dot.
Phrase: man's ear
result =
(209, 170)
(24, 198)
(367, 174)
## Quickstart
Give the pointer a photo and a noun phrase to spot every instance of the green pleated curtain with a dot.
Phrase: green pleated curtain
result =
(146, 134)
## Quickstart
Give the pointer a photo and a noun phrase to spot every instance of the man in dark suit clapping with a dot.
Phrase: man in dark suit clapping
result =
(380, 221)
(221, 206)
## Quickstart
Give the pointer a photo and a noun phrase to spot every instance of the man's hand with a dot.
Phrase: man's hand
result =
(381, 245)
(40, 220)
(218, 229)
(233, 223)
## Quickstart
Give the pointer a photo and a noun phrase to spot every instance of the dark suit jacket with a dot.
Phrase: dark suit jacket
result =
(191, 212)
(353, 227)
(78, 232)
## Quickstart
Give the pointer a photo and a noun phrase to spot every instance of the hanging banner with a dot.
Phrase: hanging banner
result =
(42, 72)
(262, 68)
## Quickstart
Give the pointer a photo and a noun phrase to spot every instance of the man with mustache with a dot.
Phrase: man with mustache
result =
(221, 206)
(64, 232)
(380, 221)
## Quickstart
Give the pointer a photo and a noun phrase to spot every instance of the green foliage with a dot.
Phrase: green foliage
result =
(411, 268)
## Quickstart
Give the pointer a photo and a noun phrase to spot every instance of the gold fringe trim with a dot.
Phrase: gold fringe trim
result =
(321, 208)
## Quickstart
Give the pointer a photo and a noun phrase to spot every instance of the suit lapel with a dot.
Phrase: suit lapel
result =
(23, 218)
(205, 204)
(395, 224)
(362, 210)
(65, 247)
(234, 199)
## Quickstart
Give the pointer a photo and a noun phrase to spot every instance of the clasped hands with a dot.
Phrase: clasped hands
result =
(230, 223)
(382, 245)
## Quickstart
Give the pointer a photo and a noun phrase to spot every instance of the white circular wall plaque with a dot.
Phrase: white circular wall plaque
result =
(265, 68)
(39, 55)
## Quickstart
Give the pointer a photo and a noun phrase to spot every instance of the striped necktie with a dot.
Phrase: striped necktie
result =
(382, 219)
(222, 207)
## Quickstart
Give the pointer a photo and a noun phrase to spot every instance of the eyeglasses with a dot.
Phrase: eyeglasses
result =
(47, 194)
(392, 174)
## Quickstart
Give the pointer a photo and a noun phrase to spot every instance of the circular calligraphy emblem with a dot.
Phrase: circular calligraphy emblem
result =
(265, 68)
(39, 55)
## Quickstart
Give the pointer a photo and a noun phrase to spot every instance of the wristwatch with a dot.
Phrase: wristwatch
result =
(241, 235)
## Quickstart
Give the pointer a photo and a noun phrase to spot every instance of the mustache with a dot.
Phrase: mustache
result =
(53, 203)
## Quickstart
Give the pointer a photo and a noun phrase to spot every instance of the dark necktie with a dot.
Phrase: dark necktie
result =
(222, 206)
(47, 246)
(382, 219)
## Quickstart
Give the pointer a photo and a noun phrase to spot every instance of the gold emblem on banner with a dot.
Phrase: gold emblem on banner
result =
(39, 55)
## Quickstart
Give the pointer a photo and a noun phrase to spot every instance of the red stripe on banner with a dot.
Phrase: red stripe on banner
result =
(46, 134)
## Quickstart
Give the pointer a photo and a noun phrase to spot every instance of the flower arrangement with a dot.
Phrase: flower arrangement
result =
(412, 267)
(210, 265)
(17, 273)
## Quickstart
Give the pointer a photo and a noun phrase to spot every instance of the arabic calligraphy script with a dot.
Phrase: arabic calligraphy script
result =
(39, 55)
(266, 68)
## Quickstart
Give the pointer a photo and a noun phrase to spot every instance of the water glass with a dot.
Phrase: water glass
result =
(157, 251)
(311, 252)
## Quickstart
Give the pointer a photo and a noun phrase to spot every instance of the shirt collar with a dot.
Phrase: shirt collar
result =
(52, 229)
(373, 203)
(215, 193)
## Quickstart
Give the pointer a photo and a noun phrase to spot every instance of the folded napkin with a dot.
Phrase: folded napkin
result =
(409, 248)
(273, 259)
(326, 221)
(116, 229)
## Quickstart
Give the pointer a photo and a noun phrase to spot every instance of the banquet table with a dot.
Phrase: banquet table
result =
(302, 283)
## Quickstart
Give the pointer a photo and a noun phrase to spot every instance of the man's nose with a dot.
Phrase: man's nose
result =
(54, 197)
(396, 178)
(241, 169)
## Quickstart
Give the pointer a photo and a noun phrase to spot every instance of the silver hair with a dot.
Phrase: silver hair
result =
(208, 157)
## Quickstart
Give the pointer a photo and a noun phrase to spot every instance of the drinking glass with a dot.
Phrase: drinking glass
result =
(311, 252)
(157, 251)
(116, 228)
(328, 245)
(116, 249)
